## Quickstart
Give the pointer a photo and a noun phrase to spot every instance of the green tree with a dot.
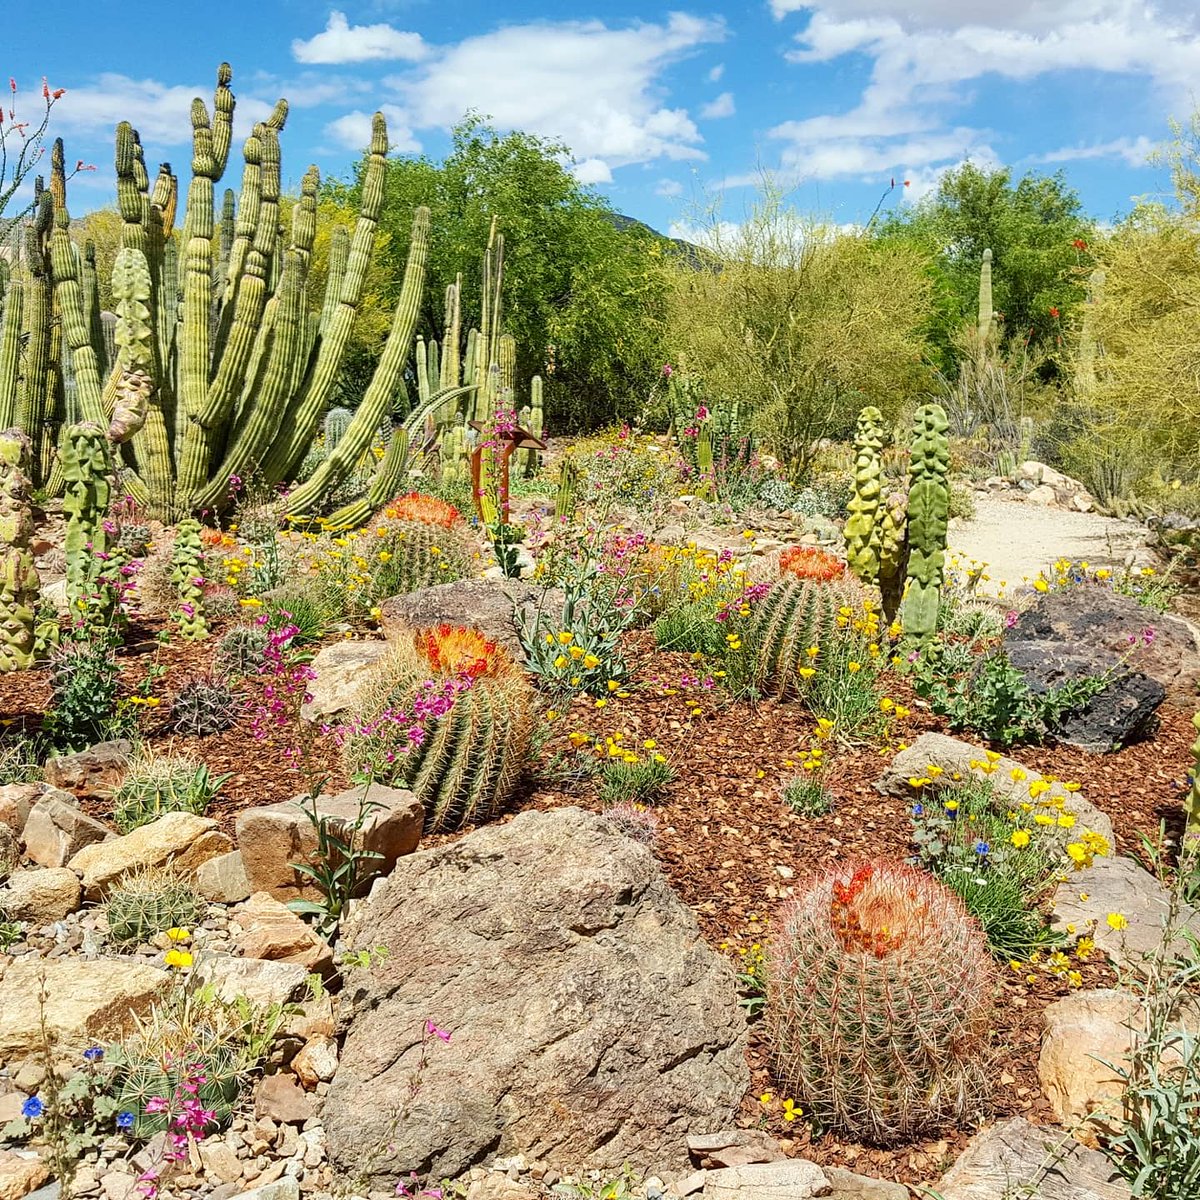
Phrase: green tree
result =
(1041, 253)
(582, 296)
(802, 324)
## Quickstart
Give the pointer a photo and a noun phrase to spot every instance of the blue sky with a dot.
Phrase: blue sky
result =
(662, 106)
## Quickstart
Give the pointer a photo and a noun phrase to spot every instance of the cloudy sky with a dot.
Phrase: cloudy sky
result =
(661, 106)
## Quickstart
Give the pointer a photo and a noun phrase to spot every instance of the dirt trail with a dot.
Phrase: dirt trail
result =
(1018, 539)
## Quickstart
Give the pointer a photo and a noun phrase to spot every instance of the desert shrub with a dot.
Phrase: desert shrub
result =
(635, 780)
(149, 902)
(880, 1002)
(84, 710)
(475, 713)
(998, 860)
(205, 705)
(19, 760)
(240, 650)
(157, 784)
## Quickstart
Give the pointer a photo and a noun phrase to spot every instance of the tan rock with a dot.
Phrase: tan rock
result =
(261, 982)
(793, 1179)
(41, 896)
(220, 1161)
(316, 1062)
(271, 931)
(340, 670)
(16, 802)
(85, 999)
(178, 839)
(222, 880)
(282, 1099)
(57, 829)
(1043, 494)
(92, 774)
(272, 838)
(21, 1174)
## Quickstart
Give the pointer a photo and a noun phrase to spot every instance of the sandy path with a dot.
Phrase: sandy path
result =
(1017, 539)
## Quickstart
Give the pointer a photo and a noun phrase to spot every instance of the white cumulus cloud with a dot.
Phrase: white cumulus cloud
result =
(352, 131)
(722, 106)
(341, 42)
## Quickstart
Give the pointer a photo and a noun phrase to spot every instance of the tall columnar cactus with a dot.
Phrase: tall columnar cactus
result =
(477, 711)
(87, 469)
(793, 616)
(880, 1001)
(861, 530)
(453, 452)
(18, 574)
(705, 488)
(928, 517)
(536, 425)
(1191, 802)
(337, 421)
(892, 524)
(134, 341)
(12, 308)
(986, 313)
(564, 498)
(187, 574)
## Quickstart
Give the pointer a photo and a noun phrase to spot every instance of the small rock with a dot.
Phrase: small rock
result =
(20, 1174)
(56, 830)
(180, 839)
(283, 1189)
(846, 1185)
(223, 880)
(91, 774)
(1043, 494)
(339, 674)
(118, 1186)
(17, 801)
(220, 1161)
(10, 1106)
(792, 1179)
(282, 1099)
(43, 896)
(260, 981)
(734, 1148)
(317, 1062)
(272, 931)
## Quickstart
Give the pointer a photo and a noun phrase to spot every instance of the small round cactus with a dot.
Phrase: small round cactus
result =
(151, 902)
(880, 1001)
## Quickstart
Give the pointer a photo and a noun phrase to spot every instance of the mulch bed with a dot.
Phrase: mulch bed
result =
(728, 844)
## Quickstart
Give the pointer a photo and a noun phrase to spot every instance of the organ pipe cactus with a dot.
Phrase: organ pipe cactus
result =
(12, 305)
(985, 299)
(84, 459)
(536, 424)
(18, 574)
(879, 1003)
(861, 530)
(928, 517)
(187, 574)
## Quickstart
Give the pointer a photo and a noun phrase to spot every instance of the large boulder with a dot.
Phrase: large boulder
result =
(42, 896)
(85, 999)
(587, 1020)
(1094, 620)
(339, 670)
(495, 607)
(272, 839)
(57, 829)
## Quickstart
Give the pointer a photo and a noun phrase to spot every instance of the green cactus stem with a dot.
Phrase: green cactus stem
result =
(986, 314)
(564, 498)
(134, 335)
(187, 574)
(87, 469)
(861, 530)
(18, 575)
(893, 552)
(1191, 802)
(928, 517)
(12, 298)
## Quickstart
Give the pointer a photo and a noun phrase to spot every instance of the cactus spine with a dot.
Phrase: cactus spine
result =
(187, 574)
(879, 1002)
(861, 530)
(928, 516)
(18, 575)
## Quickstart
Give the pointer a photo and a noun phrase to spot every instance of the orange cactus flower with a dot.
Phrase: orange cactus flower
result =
(808, 562)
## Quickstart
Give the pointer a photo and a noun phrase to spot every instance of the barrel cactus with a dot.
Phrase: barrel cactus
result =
(928, 517)
(18, 573)
(415, 542)
(474, 713)
(150, 902)
(880, 1000)
(141, 1075)
(861, 530)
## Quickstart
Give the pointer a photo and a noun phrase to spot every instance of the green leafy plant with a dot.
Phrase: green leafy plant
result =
(157, 784)
(806, 795)
(84, 709)
(640, 781)
(340, 864)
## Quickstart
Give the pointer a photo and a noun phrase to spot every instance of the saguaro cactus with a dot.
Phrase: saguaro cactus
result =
(861, 531)
(928, 517)
(18, 574)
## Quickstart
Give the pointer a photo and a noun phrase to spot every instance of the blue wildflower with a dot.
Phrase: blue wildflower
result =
(32, 1108)
(93, 1054)
(125, 1120)
(982, 848)
(918, 810)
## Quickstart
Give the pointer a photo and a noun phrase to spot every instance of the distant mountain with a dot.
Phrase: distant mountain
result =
(694, 255)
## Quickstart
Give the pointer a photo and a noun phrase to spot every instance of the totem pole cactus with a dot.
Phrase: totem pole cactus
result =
(892, 533)
(18, 574)
(134, 341)
(928, 516)
(861, 530)
(187, 574)
(84, 460)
